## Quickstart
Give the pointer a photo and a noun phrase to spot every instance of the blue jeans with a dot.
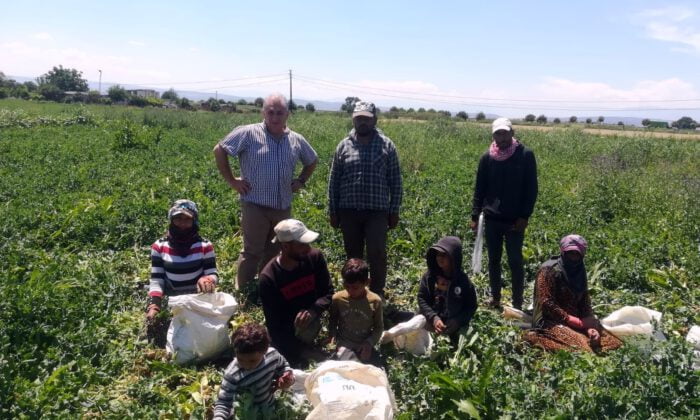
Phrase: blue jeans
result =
(496, 233)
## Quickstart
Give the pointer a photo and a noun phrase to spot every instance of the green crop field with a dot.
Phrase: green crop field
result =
(84, 191)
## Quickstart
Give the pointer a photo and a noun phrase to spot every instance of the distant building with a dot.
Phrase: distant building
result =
(144, 93)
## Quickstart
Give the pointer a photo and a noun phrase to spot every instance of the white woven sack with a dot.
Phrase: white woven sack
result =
(633, 320)
(410, 335)
(199, 329)
(347, 390)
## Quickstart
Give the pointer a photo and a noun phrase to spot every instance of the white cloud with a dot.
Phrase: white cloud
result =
(645, 98)
(43, 36)
(137, 43)
(672, 24)
(551, 95)
(193, 49)
(673, 13)
(23, 59)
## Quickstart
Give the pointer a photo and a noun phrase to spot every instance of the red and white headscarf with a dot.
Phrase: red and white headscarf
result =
(502, 154)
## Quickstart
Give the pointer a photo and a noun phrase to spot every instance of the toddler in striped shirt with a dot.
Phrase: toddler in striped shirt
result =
(257, 369)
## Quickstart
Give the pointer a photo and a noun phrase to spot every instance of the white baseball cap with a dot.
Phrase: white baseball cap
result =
(289, 230)
(501, 124)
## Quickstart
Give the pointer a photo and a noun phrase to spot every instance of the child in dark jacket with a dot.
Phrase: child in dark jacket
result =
(446, 297)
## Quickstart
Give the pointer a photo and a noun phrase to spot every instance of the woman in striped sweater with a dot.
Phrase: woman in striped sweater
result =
(181, 263)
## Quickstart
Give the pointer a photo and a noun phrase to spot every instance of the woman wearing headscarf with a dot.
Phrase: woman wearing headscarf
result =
(563, 317)
(182, 262)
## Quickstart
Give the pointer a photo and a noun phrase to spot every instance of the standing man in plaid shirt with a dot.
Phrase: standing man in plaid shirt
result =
(268, 153)
(364, 192)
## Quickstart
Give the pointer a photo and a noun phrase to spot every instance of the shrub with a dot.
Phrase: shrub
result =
(126, 136)
(137, 101)
(51, 92)
(117, 93)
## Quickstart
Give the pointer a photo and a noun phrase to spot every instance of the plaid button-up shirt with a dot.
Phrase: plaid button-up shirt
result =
(365, 176)
(268, 163)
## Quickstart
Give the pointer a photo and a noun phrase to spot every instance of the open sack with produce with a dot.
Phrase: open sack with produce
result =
(199, 329)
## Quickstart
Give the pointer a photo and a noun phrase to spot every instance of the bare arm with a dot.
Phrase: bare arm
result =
(307, 171)
(304, 176)
(224, 167)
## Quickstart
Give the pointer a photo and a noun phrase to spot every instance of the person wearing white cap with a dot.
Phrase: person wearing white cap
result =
(365, 192)
(505, 191)
(295, 290)
(268, 153)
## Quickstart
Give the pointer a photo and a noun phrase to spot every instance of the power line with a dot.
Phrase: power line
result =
(264, 83)
(438, 99)
(206, 81)
(312, 79)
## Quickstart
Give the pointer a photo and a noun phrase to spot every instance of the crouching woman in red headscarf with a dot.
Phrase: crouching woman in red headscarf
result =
(563, 317)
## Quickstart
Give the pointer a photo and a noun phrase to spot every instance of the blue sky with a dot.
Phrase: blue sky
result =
(505, 57)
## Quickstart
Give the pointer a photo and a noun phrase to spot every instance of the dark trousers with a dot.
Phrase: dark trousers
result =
(496, 233)
(367, 228)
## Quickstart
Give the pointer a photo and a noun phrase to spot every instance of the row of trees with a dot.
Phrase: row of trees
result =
(542, 119)
(68, 85)
(52, 86)
(683, 123)
(350, 102)
(59, 82)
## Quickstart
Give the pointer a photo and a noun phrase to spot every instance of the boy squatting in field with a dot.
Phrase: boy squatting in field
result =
(295, 290)
(356, 322)
(181, 263)
(257, 368)
(446, 297)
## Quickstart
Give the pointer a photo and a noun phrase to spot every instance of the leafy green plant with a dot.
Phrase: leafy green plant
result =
(83, 201)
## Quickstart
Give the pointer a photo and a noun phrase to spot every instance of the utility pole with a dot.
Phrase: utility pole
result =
(100, 85)
(290, 88)
(216, 94)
